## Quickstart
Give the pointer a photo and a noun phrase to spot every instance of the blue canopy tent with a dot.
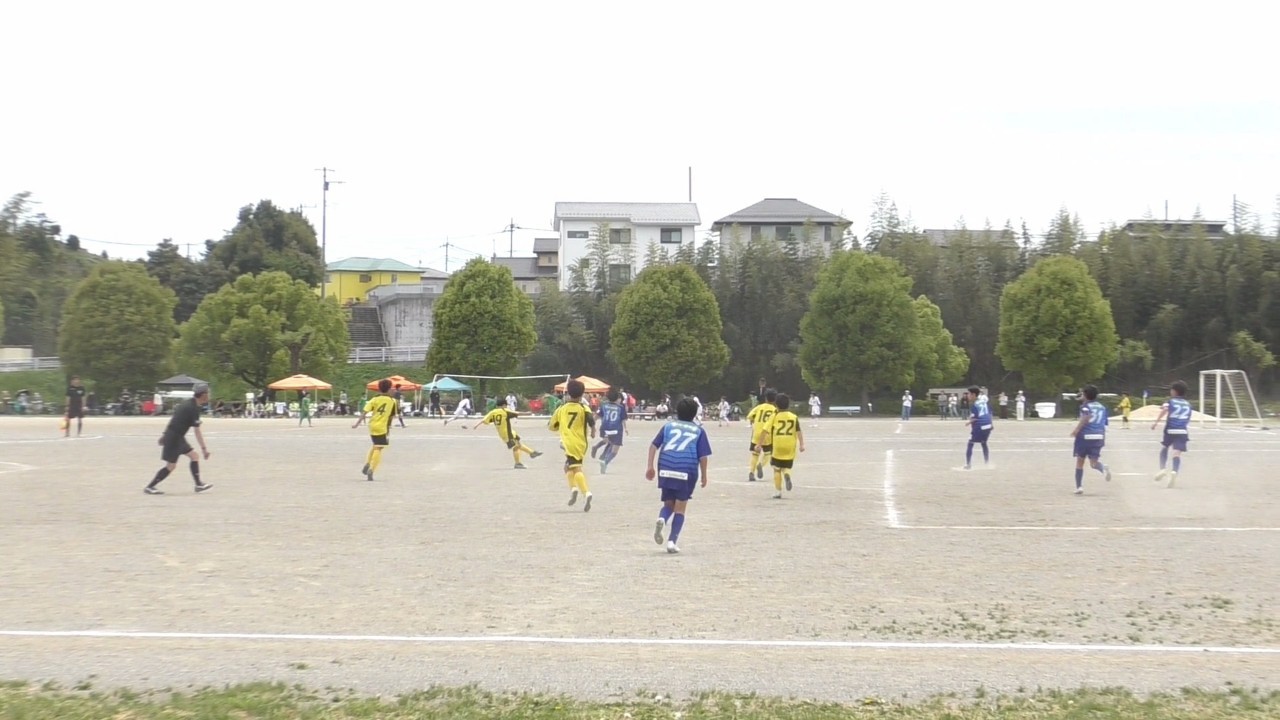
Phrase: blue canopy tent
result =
(446, 384)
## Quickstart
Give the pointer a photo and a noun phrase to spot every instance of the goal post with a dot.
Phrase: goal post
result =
(1227, 397)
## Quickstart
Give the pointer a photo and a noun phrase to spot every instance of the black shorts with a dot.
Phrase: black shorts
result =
(379, 439)
(571, 461)
(174, 449)
(782, 464)
(75, 412)
(513, 442)
(767, 449)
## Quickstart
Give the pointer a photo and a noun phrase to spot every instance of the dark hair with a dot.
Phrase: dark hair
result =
(783, 401)
(770, 395)
(975, 389)
(686, 409)
(1179, 387)
(614, 395)
(575, 388)
(500, 402)
(1090, 392)
(384, 385)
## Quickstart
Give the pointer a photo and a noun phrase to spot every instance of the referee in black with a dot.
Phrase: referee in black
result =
(174, 441)
(75, 406)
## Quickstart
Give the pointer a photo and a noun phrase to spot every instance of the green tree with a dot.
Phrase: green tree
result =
(1133, 356)
(118, 328)
(1055, 326)
(1253, 356)
(939, 361)
(188, 279)
(667, 330)
(564, 345)
(484, 325)
(860, 332)
(262, 327)
(267, 239)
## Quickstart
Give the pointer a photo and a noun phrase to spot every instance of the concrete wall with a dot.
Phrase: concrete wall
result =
(408, 319)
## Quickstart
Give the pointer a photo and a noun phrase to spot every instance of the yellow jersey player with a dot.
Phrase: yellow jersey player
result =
(760, 418)
(1125, 406)
(574, 421)
(500, 417)
(785, 436)
(380, 409)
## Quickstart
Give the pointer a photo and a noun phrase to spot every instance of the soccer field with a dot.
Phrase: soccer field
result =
(888, 571)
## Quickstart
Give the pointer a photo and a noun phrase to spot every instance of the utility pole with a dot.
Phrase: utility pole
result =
(446, 255)
(324, 225)
(510, 230)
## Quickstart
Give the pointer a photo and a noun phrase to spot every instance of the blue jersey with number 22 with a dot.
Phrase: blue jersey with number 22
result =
(681, 445)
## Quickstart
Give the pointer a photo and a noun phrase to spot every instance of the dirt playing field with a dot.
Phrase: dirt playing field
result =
(888, 571)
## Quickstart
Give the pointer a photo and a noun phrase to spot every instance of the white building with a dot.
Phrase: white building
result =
(633, 227)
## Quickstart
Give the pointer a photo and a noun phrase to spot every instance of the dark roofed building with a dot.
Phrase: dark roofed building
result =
(780, 218)
(1213, 229)
(529, 272)
(944, 238)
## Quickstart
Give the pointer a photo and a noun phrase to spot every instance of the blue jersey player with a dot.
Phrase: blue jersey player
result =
(979, 426)
(683, 449)
(1091, 435)
(613, 424)
(1178, 410)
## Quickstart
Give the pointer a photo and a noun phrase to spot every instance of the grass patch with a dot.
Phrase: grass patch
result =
(263, 701)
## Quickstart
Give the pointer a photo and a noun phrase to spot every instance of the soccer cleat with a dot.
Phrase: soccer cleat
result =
(657, 530)
(787, 478)
(1108, 474)
(751, 477)
(519, 466)
(1173, 479)
(152, 491)
(534, 454)
(594, 450)
(672, 548)
(1161, 475)
(369, 476)
(777, 496)
(604, 466)
(968, 467)
(201, 487)
(365, 470)
(760, 471)
(1079, 491)
(587, 506)
(573, 497)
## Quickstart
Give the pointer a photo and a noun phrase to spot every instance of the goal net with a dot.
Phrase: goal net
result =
(528, 389)
(1227, 397)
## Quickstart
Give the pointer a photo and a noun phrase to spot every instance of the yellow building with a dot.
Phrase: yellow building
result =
(351, 280)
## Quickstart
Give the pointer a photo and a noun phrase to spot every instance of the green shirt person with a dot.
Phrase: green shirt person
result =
(304, 410)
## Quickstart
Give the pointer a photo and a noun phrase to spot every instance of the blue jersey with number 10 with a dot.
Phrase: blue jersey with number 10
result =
(681, 445)
(611, 416)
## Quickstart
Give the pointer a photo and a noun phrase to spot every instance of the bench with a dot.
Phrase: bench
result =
(846, 410)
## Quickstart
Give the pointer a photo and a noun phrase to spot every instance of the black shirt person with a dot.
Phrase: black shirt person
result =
(174, 441)
(75, 406)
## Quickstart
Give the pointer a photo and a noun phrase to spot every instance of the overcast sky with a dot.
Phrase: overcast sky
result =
(136, 121)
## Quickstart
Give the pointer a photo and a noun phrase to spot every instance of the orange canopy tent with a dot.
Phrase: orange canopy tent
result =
(300, 382)
(592, 385)
(404, 383)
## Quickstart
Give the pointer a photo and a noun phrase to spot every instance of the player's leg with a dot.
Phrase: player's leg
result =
(677, 524)
(194, 457)
(754, 467)
(1164, 460)
(1178, 447)
(986, 451)
(968, 455)
(571, 467)
(580, 478)
(777, 480)
(664, 515)
(1095, 462)
(161, 474)
(1080, 456)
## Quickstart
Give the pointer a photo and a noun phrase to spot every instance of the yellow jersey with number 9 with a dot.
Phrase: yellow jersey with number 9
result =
(572, 420)
(380, 410)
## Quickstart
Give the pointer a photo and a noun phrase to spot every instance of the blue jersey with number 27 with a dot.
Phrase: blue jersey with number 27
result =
(681, 445)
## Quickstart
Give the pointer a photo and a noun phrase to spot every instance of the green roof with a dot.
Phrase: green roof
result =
(363, 264)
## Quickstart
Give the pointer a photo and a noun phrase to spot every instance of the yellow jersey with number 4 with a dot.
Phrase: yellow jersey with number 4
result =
(380, 410)
(572, 420)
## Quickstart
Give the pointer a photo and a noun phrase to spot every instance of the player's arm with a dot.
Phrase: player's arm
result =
(800, 437)
(649, 472)
(200, 439)
(590, 420)
(1164, 410)
(1084, 420)
(702, 463)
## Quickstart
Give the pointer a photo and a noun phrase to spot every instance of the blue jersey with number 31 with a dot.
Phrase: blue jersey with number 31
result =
(681, 445)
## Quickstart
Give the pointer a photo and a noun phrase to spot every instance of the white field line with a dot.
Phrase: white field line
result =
(890, 503)
(13, 467)
(58, 439)
(680, 642)
(1091, 528)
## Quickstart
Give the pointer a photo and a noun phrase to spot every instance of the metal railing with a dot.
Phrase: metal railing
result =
(39, 363)
(392, 355)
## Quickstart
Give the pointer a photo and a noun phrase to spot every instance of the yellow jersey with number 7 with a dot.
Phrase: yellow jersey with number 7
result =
(572, 421)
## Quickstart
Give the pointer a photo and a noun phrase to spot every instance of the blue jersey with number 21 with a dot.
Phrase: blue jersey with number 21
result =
(681, 445)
